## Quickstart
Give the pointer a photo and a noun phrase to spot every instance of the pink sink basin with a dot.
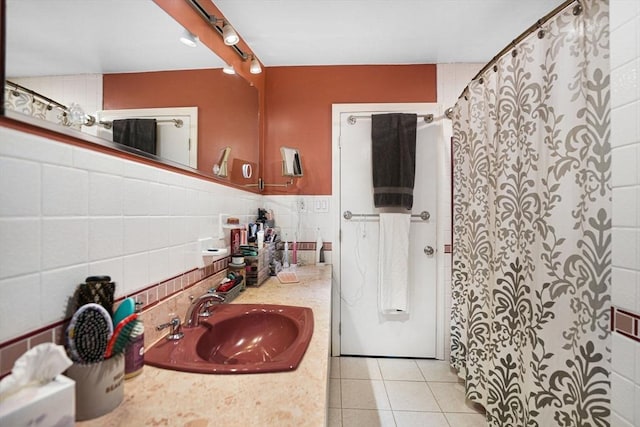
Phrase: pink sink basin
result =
(239, 339)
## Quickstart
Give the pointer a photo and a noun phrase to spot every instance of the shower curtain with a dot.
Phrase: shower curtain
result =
(26, 103)
(532, 228)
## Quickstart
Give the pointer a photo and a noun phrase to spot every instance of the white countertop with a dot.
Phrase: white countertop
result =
(160, 397)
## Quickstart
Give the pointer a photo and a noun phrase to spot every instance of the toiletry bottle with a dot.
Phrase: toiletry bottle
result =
(134, 353)
(260, 237)
(285, 255)
(319, 244)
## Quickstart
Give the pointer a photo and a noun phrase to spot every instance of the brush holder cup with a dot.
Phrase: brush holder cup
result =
(99, 386)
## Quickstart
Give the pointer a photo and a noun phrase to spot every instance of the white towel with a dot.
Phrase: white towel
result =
(393, 262)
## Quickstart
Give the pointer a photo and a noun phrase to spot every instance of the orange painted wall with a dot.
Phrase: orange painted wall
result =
(298, 112)
(220, 122)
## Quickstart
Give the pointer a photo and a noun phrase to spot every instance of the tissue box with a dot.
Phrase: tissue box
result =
(52, 404)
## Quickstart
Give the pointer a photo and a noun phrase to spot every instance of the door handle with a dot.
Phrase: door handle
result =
(428, 250)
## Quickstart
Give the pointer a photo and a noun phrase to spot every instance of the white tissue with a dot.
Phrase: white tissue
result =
(37, 366)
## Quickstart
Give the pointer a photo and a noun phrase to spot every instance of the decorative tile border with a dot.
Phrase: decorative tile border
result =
(625, 322)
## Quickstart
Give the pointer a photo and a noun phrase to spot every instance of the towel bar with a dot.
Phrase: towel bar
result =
(424, 215)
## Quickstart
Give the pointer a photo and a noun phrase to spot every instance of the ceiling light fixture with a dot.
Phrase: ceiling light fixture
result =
(229, 35)
(228, 69)
(189, 39)
(255, 67)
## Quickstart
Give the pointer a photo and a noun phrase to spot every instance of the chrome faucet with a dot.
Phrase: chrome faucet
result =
(199, 307)
(176, 330)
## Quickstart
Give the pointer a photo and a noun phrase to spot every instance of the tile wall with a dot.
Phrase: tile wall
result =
(67, 212)
(625, 140)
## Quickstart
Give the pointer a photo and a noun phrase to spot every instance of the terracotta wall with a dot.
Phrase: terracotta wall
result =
(298, 112)
(220, 122)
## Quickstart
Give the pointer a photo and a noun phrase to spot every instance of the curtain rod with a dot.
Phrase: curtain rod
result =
(429, 118)
(577, 10)
(48, 100)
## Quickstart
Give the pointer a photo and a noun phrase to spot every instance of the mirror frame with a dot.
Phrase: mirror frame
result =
(185, 15)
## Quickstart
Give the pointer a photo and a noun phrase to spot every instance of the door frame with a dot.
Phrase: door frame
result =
(336, 111)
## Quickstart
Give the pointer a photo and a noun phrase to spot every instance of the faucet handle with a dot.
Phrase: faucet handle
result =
(176, 330)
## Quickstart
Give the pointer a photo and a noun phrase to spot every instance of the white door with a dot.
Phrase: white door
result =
(365, 331)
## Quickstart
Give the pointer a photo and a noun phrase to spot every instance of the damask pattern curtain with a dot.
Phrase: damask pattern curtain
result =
(532, 228)
(25, 103)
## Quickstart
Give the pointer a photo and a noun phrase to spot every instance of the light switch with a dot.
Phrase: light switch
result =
(321, 205)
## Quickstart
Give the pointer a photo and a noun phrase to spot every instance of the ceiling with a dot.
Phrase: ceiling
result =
(331, 32)
(109, 36)
(58, 37)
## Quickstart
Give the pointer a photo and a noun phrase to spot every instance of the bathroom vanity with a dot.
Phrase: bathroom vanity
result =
(295, 398)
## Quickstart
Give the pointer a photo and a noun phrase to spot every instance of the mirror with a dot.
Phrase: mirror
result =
(116, 59)
(291, 162)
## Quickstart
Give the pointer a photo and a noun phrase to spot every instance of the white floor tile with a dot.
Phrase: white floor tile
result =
(364, 394)
(400, 370)
(335, 400)
(411, 396)
(420, 419)
(451, 398)
(367, 418)
(334, 417)
(466, 420)
(361, 368)
(437, 370)
(335, 367)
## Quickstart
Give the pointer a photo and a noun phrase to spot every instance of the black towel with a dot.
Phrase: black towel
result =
(393, 152)
(136, 133)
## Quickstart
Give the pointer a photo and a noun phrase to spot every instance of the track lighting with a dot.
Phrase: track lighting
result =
(255, 67)
(228, 69)
(229, 35)
(189, 39)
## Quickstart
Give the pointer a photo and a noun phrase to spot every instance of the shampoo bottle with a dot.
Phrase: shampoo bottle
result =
(319, 244)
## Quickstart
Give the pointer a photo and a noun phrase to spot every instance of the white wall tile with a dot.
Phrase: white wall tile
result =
(623, 288)
(177, 230)
(621, 11)
(159, 194)
(136, 199)
(624, 84)
(624, 163)
(65, 242)
(158, 232)
(136, 272)
(623, 355)
(625, 207)
(626, 44)
(105, 237)
(97, 161)
(176, 260)
(158, 265)
(19, 187)
(57, 290)
(625, 250)
(19, 246)
(64, 191)
(105, 194)
(625, 128)
(19, 305)
(27, 146)
(622, 396)
(136, 234)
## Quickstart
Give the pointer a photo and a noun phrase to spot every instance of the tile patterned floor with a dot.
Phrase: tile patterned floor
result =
(372, 392)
